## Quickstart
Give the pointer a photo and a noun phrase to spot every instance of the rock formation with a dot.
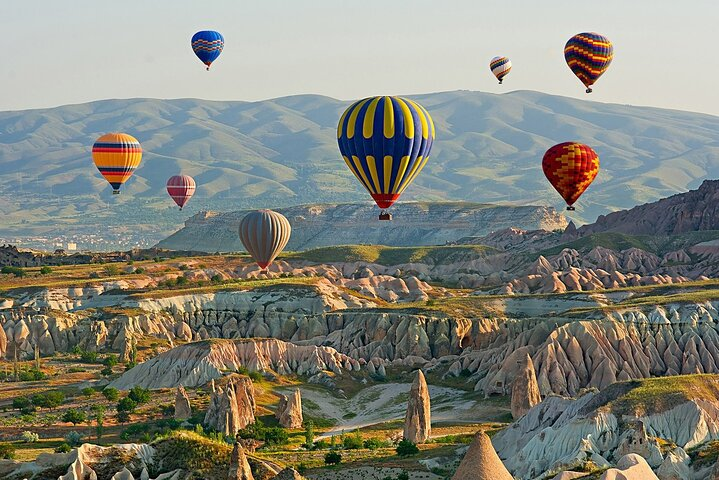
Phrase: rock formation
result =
(525, 389)
(183, 410)
(481, 462)
(239, 466)
(288, 473)
(3, 342)
(417, 421)
(231, 408)
(289, 410)
(630, 467)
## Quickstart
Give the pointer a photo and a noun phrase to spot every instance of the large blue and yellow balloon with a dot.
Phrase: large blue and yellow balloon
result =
(207, 45)
(385, 142)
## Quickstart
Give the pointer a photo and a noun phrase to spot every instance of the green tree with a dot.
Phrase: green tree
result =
(126, 405)
(333, 458)
(88, 391)
(406, 448)
(74, 416)
(45, 270)
(88, 357)
(106, 371)
(111, 393)
(110, 361)
(111, 270)
(18, 403)
(276, 436)
(374, 443)
(139, 395)
(98, 412)
(123, 417)
(7, 451)
(17, 271)
(49, 400)
(352, 441)
(309, 433)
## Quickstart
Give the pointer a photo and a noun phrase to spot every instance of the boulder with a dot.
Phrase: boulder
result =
(481, 462)
(630, 467)
(525, 389)
(183, 411)
(417, 421)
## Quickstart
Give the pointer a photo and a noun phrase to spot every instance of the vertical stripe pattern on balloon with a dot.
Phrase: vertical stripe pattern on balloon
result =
(264, 234)
(570, 167)
(385, 142)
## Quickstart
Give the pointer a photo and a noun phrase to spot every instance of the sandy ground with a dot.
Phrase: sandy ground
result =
(371, 473)
(387, 402)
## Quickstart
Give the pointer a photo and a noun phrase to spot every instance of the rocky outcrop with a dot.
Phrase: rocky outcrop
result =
(183, 410)
(525, 390)
(231, 408)
(288, 473)
(3, 342)
(289, 410)
(481, 462)
(417, 420)
(195, 364)
(630, 467)
(239, 466)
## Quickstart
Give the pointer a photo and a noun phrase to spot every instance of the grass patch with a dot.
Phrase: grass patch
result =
(384, 255)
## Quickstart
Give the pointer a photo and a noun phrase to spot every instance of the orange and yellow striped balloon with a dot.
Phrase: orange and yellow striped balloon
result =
(570, 167)
(116, 155)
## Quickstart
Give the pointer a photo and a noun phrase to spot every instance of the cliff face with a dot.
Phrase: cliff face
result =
(346, 224)
(686, 212)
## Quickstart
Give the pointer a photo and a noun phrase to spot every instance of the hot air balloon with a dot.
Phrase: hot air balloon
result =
(570, 167)
(385, 142)
(116, 155)
(181, 188)
(207, 45)
(500, 67)
(588, 55)
(264, 234)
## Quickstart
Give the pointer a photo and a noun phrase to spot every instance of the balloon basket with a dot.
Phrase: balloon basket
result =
(385, 216)
(571, 209)
(116, 192)
(589, 90)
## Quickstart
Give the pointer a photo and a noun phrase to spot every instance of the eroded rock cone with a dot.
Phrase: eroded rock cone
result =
(288, 473)
(525, 389)
(417, 421)
(239, 466)
(232, 408)
(481, 462)
(289, 411)
(183, 411)
(630, 467)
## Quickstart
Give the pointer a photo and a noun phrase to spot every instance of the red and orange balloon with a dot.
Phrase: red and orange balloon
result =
(570, 167)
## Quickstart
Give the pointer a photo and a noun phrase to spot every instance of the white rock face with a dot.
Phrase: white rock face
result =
(630, 467)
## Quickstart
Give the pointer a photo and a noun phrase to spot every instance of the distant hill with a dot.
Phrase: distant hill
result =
(415, 223)
(693, 211)
(283, 152)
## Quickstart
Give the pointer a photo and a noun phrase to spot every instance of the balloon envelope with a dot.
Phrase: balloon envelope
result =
(264, 234)
(181, 188)
(588, 55)
(207, 45)
(500, 67)
(116, 156)
(570, 167)
(385, 142)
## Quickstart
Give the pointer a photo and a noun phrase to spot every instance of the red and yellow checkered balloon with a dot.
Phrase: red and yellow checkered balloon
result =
(570, 167)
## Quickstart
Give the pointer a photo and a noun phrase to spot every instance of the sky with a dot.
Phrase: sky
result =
(76, 51)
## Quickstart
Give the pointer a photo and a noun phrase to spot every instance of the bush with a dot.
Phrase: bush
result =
(74, 416)
(276, 436)
(352, 441)
(216, 278)
(180, 281)
(123, 416)
(111, 393)
(139, 270)
(49, 400)
(63, 448)
(17, 271)
(110, 361)
(7, 451)
(111, 270)
(88, 357)
(333, 458)
(73, 439)
(45, 270)
(375, 443)
(255, 376)
(139, 395)
(183, 267)
(29, 437)
(106, 371)
(406, 448)
(270, 435)
(32, 375)
(126, 405)
(88, 391)
(322, 445)
(18, 403)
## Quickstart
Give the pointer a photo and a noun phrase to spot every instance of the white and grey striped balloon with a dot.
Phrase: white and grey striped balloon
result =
(265, 234)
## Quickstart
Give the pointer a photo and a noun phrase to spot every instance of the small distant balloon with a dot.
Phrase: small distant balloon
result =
(181, 188)
(264, 233)
(570, 167)
(588, 55)
(116, 156)
(207, 45)
(500, 67)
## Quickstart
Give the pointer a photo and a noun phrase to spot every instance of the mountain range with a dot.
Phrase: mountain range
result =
(283, 152)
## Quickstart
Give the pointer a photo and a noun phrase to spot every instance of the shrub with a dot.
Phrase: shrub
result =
(110, 361)
(111, 393)
(255, 376)
(123, 416)
(126, 405)
(74, 416)
(111, 270)
(375, 443)
(32, 375)
(106, 371)
(406, 448)
(63, 448)
(309, 434)
(45, 270)
(76, 370)
(139, 270)
(7, 451)
(322, 444)
(18, 403)
(139, 395)
(183, 267)
(88, 357)
(73, 438)
(216, 278)
(276, 436)
(333, 458)
(352, 441)
(88, 391)
(49, 400)
(17, 271)
(29, 437)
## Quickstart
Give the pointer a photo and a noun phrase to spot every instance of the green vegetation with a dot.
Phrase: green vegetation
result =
(392, 255)
(7, 451)
(74, 416)
(45, 270)
(406, 448)
(333, 458)
(270, 435)
(111, 393)
(191, 451)
(637, 397)
(50, 400)
(17, 271)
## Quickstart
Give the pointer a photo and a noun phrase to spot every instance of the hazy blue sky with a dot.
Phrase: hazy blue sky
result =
(58, 52)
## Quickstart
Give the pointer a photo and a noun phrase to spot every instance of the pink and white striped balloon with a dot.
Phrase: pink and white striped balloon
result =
(181, 188)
